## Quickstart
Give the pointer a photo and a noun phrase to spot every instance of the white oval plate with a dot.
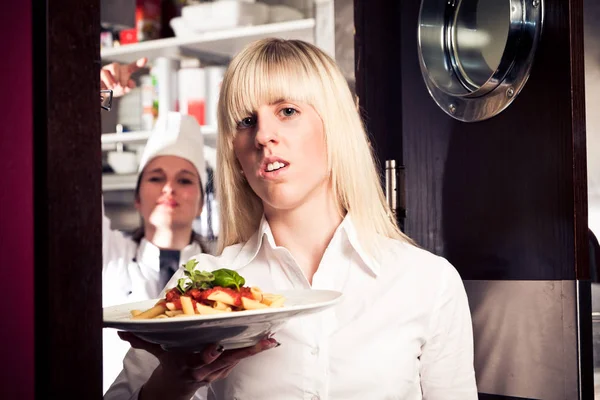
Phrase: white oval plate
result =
(232, 330)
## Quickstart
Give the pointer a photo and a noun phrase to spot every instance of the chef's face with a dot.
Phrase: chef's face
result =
(169, 194)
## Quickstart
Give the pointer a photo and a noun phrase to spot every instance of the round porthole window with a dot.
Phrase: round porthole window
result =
(476, 55)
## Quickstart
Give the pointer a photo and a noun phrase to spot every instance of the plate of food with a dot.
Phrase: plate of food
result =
(214, 307)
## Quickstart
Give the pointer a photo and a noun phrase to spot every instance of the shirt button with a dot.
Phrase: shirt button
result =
(314, 352)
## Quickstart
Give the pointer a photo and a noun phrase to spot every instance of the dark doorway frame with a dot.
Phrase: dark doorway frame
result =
(67, 199)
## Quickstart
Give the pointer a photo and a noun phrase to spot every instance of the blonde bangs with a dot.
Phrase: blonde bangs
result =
(266, 73)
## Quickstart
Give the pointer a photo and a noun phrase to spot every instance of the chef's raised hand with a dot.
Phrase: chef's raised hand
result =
(180, 375)
(117, 77)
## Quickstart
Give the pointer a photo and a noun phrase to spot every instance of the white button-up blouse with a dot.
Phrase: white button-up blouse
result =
(402, 330)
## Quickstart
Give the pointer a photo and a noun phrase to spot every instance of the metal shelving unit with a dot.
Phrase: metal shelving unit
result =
(221, 44)
(110, 140)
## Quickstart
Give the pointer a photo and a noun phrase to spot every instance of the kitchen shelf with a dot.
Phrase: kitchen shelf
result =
(109, 140)
(222, 43)
(112, 182)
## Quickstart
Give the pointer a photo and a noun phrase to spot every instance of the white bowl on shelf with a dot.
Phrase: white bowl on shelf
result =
(180, 28)
(224, 14)
(123, 162)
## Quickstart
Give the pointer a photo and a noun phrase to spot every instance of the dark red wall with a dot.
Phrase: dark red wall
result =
(16, 203)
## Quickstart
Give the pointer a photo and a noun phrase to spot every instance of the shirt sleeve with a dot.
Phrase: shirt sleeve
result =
(138, 365)
(447, 371)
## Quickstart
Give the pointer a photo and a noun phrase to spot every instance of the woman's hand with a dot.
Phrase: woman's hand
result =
(117, 77)
(180, 375)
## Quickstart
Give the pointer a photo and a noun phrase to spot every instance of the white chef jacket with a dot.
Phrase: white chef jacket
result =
(130, 272)
(402, 330)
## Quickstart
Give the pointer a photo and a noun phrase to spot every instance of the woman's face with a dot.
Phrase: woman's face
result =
(169, 193)
(282, 151)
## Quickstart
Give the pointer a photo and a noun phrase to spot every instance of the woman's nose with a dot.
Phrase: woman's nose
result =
(266, 132)
(168, 187)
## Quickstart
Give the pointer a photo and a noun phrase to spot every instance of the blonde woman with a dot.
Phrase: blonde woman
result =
(301, 208)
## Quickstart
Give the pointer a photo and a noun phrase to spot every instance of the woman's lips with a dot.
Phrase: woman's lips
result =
(273, 174)
(168, 203)
(272, 161)
(272, 167)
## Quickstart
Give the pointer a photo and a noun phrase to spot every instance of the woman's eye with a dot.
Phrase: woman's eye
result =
(155, 179)
(247, 122)
(288, 111)
(185, 181)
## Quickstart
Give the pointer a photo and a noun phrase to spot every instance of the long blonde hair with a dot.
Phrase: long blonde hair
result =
(272, 69)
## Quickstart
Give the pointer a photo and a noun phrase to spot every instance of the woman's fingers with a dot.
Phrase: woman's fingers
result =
(107, 78)
(211, 353)
(239, 354)
(117, 77)
(136, 65)
(211, 364)
(125, 72)
(231, 357)
(110, 78)
(220, 373)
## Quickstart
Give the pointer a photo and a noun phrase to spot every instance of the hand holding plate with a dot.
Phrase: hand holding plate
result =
(180, 375)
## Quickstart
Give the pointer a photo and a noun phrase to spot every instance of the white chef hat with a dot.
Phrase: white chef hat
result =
(176, 134)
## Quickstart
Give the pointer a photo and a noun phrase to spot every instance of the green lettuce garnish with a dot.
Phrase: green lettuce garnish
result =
(195, 279)
(228, 279)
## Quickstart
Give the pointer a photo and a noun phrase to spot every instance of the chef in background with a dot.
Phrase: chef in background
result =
(169, 196)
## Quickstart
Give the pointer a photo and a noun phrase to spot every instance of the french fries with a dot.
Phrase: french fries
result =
(217, 301)
(222, 297)
(217, 305)
(206, 310)
(273, 300)
(250, 304)
(153, 312)
(187, 306)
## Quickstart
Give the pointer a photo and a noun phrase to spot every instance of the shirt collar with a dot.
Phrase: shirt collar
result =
(264, 236)
(372, 263)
